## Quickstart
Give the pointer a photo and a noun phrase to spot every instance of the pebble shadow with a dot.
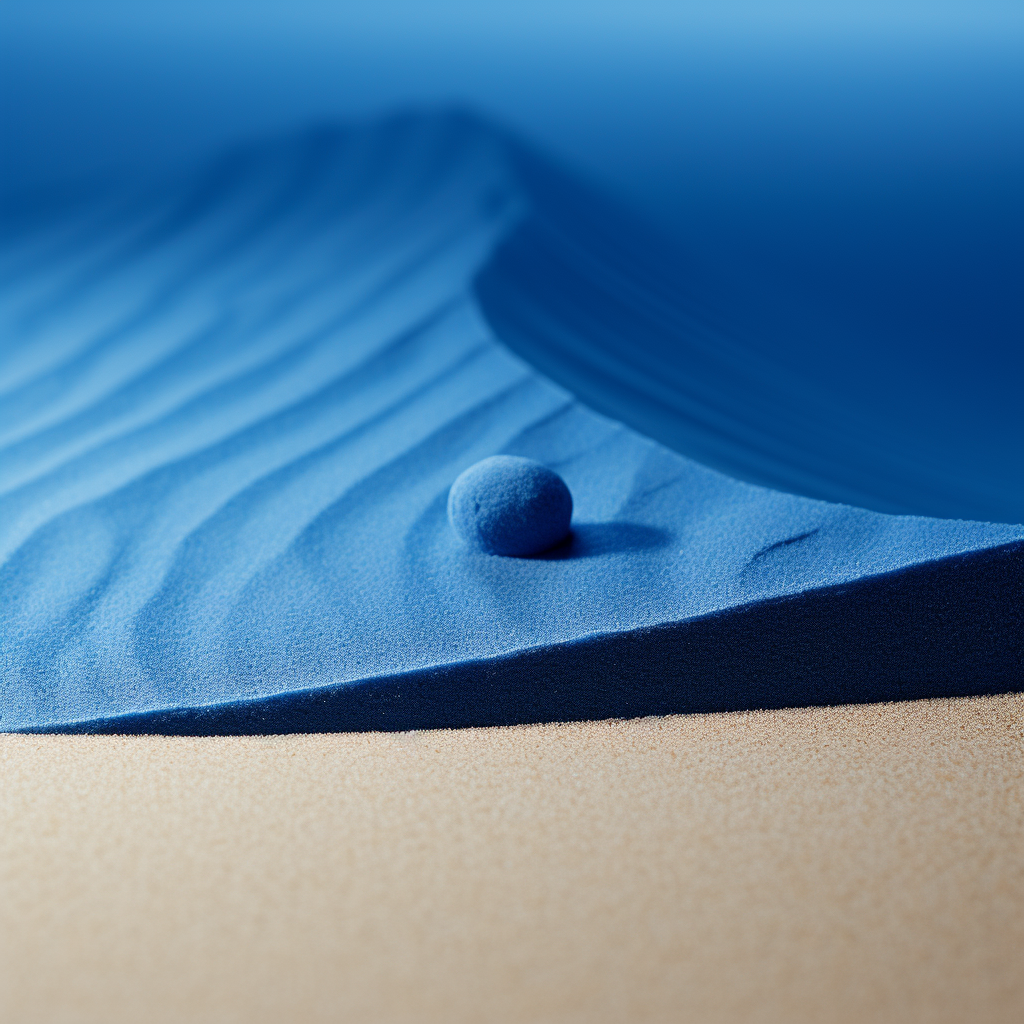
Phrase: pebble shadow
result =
(590, 540)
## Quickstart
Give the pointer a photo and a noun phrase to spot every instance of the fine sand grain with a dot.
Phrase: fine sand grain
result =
(837, 864)
(233, 410)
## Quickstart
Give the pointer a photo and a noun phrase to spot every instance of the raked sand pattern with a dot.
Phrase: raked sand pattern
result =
(230, 413)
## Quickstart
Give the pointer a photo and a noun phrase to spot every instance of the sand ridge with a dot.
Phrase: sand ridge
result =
(233, 410)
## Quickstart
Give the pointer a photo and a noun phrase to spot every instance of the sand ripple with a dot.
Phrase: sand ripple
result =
(230, 411)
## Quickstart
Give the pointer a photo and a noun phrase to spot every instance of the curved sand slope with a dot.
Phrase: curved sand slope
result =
(724, 366)
(230, 413)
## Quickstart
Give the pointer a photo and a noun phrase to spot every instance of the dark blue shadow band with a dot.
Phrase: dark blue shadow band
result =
(944, 629)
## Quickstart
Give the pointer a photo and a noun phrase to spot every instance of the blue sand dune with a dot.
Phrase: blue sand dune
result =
(696, 357)
(230, 415)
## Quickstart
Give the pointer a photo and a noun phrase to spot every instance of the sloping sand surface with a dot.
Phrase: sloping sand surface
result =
(838, 864)
(231, 410)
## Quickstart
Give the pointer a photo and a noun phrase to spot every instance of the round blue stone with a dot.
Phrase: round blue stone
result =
(507, 505)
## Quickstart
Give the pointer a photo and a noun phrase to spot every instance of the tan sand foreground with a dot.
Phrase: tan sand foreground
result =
(826, 865)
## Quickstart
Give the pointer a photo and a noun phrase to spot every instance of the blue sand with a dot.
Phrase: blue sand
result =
(508, 505)
(643, 332)
(231, 412)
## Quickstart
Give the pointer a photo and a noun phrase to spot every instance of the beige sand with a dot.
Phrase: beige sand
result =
(848, 864)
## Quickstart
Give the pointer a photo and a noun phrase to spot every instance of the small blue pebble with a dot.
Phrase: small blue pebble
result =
(507, 505)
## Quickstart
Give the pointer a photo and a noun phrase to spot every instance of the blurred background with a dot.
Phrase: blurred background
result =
(858, 166)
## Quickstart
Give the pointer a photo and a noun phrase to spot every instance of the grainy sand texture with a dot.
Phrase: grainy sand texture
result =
(234, 407)
(824, 865)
